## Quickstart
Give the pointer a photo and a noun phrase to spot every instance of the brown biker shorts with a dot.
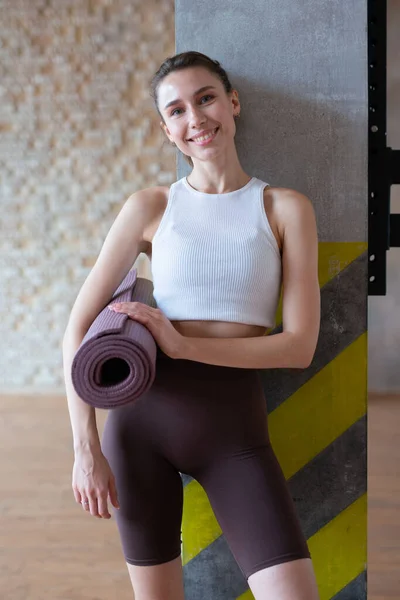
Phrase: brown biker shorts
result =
(211, 423)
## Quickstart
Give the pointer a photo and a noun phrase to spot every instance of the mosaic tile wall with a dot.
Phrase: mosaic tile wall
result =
(78, 135)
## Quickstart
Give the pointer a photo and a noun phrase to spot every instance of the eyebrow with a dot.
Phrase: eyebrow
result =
(202, 89)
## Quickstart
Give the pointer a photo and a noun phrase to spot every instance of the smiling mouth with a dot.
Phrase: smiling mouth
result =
(213, 132)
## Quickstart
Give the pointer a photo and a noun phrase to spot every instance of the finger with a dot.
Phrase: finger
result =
(94, 509)
(146, 312)
(90, 505)
(102, 504)
(140, 308)
(77, 494)
(135, 315)
(144, 320)
(85, 503)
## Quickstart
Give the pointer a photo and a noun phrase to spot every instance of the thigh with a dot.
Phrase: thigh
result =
(252, 503)
(294, 580)
(158, 582)
(149, 488)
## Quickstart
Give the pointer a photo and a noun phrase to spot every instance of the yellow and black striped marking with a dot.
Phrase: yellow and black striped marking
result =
(317, 424)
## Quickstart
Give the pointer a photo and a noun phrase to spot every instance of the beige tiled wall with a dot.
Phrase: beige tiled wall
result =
(78, 135)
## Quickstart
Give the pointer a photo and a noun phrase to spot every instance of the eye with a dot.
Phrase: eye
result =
(206, 96)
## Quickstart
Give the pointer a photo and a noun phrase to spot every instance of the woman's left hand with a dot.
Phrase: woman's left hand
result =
(169, 340)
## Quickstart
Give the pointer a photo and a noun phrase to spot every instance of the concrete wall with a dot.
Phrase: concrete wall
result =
(301, 72)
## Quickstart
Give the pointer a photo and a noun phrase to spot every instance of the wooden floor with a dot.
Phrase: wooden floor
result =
(384, 498)
(50, 549)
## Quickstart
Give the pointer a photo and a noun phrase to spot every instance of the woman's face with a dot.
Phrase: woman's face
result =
(195, 112)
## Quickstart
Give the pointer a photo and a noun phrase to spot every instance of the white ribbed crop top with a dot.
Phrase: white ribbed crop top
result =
(215, 258)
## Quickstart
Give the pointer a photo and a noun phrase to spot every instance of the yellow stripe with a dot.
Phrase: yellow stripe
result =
(333, 257)
(338, 550)
(321, 410)
(246, 596)
(306, 423)
(199, 526)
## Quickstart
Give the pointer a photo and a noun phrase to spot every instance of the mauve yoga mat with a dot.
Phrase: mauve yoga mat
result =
(116, 360)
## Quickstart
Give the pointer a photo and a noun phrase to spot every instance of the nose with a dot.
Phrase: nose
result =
(196, 118)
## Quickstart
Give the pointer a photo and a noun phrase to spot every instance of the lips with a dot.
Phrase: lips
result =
(204, 133)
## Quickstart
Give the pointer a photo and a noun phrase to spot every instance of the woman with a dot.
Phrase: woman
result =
(221, 244)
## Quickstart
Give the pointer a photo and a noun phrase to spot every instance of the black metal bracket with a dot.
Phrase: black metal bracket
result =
(383, 162)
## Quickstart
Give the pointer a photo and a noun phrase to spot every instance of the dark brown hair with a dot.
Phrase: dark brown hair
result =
(183, 61)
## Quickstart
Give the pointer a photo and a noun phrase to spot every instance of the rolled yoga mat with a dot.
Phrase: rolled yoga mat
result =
(116, 360)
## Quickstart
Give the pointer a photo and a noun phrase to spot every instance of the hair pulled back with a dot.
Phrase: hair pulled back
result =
(182, 61)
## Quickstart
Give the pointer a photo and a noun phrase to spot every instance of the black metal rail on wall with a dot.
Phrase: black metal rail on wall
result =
(383, 162)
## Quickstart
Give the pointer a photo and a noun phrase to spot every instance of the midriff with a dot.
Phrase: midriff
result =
(198, 328)
(221, 329)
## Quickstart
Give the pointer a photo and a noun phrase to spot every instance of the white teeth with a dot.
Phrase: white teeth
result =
(205, 137)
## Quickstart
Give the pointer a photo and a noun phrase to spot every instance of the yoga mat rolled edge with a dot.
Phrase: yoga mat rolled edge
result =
(116, 336)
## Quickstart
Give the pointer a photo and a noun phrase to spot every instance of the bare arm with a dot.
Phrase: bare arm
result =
(82, 416)
(123, 244)
(295, 346)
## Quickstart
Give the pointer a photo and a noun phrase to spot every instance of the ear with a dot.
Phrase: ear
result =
(165, 130)
(235, 98)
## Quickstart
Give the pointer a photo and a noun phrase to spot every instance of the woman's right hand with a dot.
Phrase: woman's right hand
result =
(93, 481)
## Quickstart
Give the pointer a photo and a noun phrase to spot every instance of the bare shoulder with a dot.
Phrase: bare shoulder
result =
(286, 197)
(150, 197)
(287, 205)
(152, 202)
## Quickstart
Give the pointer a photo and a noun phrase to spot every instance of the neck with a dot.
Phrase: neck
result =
(211, 184)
